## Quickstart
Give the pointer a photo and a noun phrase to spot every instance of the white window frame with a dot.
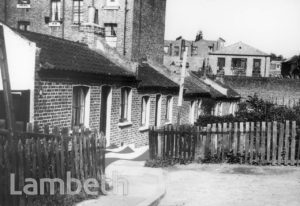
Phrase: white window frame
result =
(169, 110)
(55, 4)
(145, 113)
(77, 12)
(127, 121)
(87, 101)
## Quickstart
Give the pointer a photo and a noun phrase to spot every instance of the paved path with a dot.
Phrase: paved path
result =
(233, 185)
(132, 183)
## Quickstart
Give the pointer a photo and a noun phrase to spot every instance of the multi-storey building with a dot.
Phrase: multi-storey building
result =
(134, 27)
(198, 52)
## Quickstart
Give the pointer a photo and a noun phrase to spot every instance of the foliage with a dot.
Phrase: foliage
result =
(255, 109)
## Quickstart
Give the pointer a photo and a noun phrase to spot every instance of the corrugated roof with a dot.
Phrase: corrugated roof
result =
(61, 54)
(240, 48)
(150, 78)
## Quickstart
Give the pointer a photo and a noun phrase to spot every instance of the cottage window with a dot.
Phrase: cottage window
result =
(55, 10)
(125, 105)
(145, 114)
(79, 113)
(23, 25)
(176, 50)
(110, 30)
(169, 109)
(77, 11)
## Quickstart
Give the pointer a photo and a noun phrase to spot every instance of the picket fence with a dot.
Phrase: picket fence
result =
(273, 143)
(32, 155)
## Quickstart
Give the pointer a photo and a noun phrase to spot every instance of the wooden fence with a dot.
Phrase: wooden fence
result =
(273, 143)
(37, 156)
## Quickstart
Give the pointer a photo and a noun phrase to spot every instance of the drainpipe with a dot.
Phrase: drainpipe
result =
(125, 25)
(140, 28)
(63, 20)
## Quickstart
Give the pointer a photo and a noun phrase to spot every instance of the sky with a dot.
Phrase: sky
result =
(272, 26)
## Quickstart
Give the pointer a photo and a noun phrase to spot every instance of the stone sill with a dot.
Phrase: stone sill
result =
(111, 7)
(125, 124)
(168, 123)
(144, 128)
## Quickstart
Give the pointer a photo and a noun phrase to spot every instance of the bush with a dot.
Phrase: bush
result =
(255, 109)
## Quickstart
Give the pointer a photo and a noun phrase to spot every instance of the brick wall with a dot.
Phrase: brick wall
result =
(271, 89)
(140, 39)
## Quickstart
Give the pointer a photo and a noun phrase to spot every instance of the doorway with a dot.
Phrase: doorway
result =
(158, 110)
(105, 112)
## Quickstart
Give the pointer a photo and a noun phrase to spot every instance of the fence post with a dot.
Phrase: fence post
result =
(213, 140)
(247, 141)
(269, 134)
(251, 142)
(263, 142)
(275, 146)
(281, 136)
(293, 143)
(242, 141)
(235, 139)
(287, 142)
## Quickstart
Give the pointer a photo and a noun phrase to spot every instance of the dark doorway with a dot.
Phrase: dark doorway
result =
(158, 110)
(104, 105)
(21, 102)
(256, 68)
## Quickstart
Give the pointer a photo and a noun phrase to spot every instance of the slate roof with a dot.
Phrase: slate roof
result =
(61, 54)
(214, 93)
(239, 48)
(193, 86)
(150, 78)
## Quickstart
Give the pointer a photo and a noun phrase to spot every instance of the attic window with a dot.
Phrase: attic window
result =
(240, 47)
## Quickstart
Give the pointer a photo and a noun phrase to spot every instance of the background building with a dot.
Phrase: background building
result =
(240, 59)
(198, 52)
(134, 27)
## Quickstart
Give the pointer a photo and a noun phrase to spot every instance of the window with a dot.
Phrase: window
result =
(166, 50)
(176, 50)
(158, 110)
(125, 105)
(80, 106)
(55, 10)
(112, 3)
(77, 11)
(24, 25)
(110, 30)
(145, 114)
(169, 109)
(239, 66)
(23, 4)
(194, 50)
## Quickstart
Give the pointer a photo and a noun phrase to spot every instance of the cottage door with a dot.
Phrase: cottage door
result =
(105, 111)
(158, 110)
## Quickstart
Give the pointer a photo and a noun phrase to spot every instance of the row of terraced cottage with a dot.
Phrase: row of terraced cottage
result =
(62, 83)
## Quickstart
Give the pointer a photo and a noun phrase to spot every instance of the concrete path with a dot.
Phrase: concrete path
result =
(132, 183)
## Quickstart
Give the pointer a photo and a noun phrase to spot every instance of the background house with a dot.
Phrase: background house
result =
(240, 59)
(275, 68)
(198, 52)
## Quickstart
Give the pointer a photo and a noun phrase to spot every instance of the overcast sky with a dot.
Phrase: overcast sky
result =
(269, 25)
